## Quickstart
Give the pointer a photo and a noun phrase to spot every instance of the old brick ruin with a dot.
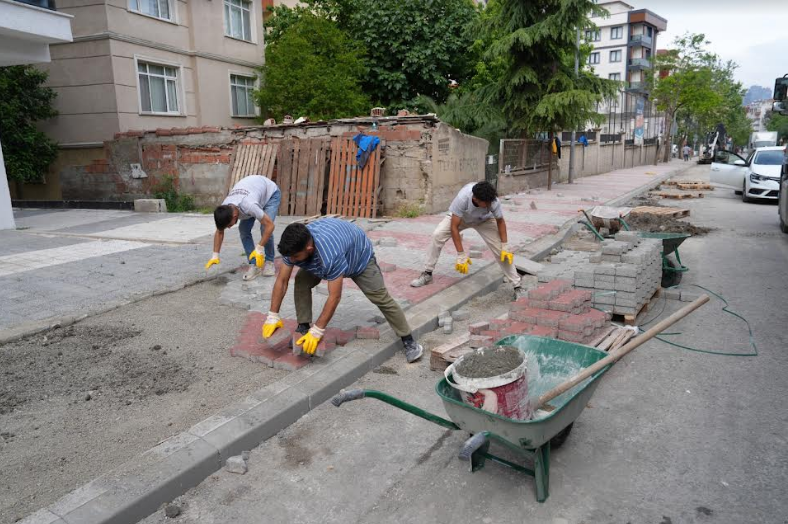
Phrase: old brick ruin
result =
(425, 161)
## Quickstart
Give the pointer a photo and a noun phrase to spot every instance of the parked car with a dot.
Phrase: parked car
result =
(782, 205)
(756, 177)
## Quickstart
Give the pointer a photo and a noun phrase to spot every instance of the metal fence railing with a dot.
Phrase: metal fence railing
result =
(566, 136)
(523, 154)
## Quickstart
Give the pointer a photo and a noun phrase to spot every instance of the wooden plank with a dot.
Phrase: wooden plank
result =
(302, 181)
(369, 179)
(662, 211)
(346, 174)
(283, 178)
(376, 182)
(322, 152)
(272, 156)
(359, 184)
(598, 340)
(294, 176)
(333, 166)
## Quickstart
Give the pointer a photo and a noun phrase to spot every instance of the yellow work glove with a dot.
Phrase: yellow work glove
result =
(271, 324)
(462, 263)
(257, 256)
(310, 341)
(506, 255)
(214, 260)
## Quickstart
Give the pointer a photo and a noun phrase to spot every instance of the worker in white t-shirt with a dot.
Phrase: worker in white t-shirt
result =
(254, 199)
(476, 206)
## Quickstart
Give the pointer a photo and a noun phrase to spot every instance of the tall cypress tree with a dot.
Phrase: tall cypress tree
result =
(538, 89)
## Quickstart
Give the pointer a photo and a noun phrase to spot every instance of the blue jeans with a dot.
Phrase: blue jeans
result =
(271, 209)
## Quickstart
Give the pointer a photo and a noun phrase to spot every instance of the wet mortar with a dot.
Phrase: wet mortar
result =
(489, 362)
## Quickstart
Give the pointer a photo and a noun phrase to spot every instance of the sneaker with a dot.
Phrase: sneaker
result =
(519, 292)
(413, 351)
(269, 269)
(252, 273)
(424, 279)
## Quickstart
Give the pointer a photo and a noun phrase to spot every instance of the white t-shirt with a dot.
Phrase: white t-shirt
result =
(463, 207)
(250, 196)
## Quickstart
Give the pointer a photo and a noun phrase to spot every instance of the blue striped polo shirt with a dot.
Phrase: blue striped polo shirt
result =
(343, 250)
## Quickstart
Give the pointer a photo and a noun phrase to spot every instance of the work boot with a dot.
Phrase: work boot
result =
(252, 273)
(269, 269)
(519, 292)
(413, 350)
(424, 279)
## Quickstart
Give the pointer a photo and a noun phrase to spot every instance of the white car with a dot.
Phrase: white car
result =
(756, 177)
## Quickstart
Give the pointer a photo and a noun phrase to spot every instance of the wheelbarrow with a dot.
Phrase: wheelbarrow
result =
(568, 375)
(671, 271)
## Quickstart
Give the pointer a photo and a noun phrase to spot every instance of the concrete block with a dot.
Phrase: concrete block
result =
(478, 327)
(632, 258)
(611, 259)
(623, 302)
(628, 285)
(584, 283)
(604, 299)
(605, 269)
(461, 315)
(627, 271)
(672, 294)
(613, 248)
(604, 281)
(475, 254)
(620, 310)
(448, 326)
(236, 464)
(291, 362)
(595, 258)
(385, 267)
(150, 205)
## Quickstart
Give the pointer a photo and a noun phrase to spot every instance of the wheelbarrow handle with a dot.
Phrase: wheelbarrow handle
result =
(347, 396)
(472, 445)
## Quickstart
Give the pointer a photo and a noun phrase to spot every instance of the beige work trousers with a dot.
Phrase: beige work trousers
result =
(488, 230)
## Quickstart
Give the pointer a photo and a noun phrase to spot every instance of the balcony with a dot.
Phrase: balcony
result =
(637, 87)
(640, 40)
(639, 63)
(27, 28)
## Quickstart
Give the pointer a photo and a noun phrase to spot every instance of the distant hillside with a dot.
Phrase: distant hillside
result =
(755, 93)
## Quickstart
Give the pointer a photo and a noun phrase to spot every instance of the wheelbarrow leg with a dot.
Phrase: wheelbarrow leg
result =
(542, 472)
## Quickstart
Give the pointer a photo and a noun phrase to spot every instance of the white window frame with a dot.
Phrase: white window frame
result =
(611, 75)
(228, 4)
(133, 7)
(619, 29)
(595, 54)
(180, 86)
(244, 74)
(610, 57)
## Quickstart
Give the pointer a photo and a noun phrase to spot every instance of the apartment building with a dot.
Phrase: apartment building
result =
(148, 64)
(624, 43)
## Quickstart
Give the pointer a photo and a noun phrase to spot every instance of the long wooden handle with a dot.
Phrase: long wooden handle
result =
(612, 358)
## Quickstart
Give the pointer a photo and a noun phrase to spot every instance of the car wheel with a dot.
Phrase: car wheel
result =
(744, 197)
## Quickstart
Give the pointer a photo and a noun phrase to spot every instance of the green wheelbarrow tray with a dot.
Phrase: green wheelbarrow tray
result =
(671, 271)
(670, 241)
(556, 361)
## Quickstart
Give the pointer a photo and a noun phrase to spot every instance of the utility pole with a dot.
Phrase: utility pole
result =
(572, 141)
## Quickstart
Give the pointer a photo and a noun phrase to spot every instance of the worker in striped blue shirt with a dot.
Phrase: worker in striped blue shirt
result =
(332, 250)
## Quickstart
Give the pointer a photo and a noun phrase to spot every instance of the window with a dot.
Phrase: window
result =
(615, 56)
(238, 19)
(158, 88)
(593, 58)
(617, 33)
(614, 76)
(649, 32)
(593, 36)
(154, 8)
(241, 94)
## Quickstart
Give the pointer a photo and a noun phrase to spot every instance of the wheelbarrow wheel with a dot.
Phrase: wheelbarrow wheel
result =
(671, 277)
(558, 440)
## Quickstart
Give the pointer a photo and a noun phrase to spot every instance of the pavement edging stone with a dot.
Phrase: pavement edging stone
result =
(140, 486)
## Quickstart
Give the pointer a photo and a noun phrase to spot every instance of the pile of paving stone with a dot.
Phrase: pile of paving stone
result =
(553, 310)
(623, 275)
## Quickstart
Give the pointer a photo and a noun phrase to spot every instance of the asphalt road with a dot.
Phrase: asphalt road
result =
(671, 435)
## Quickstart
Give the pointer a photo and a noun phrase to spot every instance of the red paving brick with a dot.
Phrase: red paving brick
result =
(544, 331)
(398, 284)
(525, 315)
(344, 337)
(550, 318)
(367, 333)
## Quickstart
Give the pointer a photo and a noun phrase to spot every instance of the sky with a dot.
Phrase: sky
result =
(752, 33)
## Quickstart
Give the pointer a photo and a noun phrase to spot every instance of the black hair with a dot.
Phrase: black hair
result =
(223, 215)
(485, 192)
(294, 239)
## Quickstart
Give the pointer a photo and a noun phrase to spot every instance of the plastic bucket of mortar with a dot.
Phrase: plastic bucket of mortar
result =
(505, 395)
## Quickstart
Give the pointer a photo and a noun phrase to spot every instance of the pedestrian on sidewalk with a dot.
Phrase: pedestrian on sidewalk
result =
(476, 206)
(332, 249)
(686, 152)
(254, 199)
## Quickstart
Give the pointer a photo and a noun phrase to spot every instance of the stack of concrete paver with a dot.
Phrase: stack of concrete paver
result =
(622, 275)
(552, 310)
(625, 275)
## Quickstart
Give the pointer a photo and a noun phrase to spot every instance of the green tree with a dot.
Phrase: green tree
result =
(24, 101)
(538, 89)
(687, 92)
(779, 123)
(313, 69)
(413, 47)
